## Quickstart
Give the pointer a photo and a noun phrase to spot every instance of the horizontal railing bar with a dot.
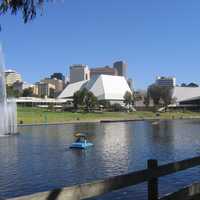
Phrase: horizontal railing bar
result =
(97, 188)
(185, 193)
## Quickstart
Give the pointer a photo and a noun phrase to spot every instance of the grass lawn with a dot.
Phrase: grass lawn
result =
(40, 115)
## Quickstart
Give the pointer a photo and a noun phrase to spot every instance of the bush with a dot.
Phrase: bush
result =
(117, 107)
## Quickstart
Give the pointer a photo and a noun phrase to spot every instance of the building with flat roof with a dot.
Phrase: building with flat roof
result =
(79, 72)
(121, 67)
(164, 81)
(102, 70)
(59, 84)
(46, 90)
(12, 76)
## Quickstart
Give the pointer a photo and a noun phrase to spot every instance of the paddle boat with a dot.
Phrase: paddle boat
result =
(81, 142)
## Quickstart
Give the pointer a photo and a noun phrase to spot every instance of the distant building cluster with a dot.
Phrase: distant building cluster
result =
(54, 85)
(81, 72)
(105, 82)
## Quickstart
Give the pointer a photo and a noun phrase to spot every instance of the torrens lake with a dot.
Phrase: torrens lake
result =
(39, 158)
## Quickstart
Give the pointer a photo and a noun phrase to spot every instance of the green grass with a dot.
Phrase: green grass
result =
(37, 115)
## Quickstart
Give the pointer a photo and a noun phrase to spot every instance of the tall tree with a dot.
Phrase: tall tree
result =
(90, 101)
(77, 100)
(155, 93)
(166, 95)
(28, 92)
(146, 99)
(84, 98)
(128, 99)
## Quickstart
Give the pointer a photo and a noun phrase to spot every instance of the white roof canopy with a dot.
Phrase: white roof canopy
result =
(104, 87)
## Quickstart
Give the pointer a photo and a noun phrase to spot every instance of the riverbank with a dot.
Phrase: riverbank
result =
(28, 115)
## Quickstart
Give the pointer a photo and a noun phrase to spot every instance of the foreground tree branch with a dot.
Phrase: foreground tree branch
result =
(28, 8)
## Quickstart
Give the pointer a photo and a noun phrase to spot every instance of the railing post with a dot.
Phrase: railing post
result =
(153, 183)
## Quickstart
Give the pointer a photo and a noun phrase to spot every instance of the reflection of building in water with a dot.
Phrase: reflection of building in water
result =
(115, 144)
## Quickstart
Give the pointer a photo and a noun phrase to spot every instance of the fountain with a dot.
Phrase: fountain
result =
(8, 114)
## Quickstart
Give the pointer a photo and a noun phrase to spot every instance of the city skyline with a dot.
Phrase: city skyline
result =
(154, 37)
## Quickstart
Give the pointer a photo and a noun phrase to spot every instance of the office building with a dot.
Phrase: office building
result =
(121, 68)
(103, 70)
(46, 90)
(166, 81)
(12, 77)
(79, 72)
(59, 84)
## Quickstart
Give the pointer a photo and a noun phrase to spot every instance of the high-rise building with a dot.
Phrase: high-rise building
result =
(12, 77)
(166, 81)
(102, 70)
(121, 68)
(58, 76)
(79, 72)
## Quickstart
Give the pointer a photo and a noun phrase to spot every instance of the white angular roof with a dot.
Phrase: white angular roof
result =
(185, 93)
(104, 87)
(71, 89)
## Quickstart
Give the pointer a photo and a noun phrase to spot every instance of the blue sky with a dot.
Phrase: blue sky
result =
(155, 37)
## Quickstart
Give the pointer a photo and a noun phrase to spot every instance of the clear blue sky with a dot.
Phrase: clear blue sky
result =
(155, 37)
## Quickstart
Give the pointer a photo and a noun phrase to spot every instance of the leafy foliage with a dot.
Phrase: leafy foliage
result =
(146, 99)
(116, 107)
(155, 93)
(84, 98)
(11, 92)
(105, 103)
(128, 99)
(158, 93)
(166, 95)
(27, 7)
(28, 92)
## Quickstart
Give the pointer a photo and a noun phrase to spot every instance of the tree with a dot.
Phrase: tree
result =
(77, 100)
(28, 8)
(158, 93)
(11, 92)
(192, 85)
(104, 103)
(154, 92)
(128, 99)
(183, 85)
(84, 98)
(28, 92)
(90, 100)
(146, 99)
(166, 95)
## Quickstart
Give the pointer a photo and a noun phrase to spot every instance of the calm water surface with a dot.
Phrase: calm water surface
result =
(39, 159)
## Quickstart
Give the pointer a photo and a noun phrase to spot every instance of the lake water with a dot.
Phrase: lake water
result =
(39, 159)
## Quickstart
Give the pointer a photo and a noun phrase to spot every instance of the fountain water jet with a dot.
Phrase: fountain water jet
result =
(8, 114)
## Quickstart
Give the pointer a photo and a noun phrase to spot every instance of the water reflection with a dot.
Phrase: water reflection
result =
(39, 158)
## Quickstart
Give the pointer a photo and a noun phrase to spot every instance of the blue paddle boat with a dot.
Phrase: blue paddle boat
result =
(81, 142)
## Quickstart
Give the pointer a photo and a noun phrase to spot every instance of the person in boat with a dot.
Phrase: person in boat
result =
(78, 139)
